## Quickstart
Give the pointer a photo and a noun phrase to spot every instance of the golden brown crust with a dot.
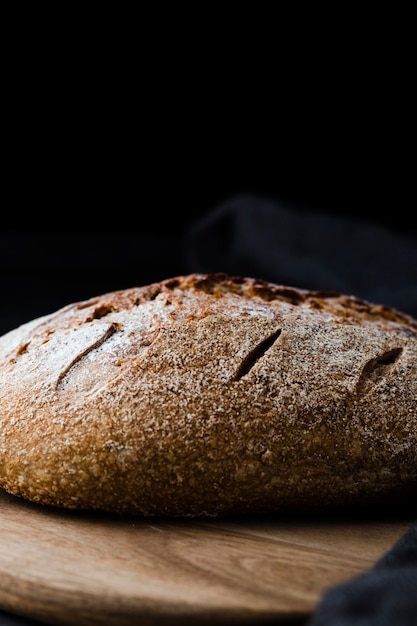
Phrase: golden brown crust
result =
(210, 394)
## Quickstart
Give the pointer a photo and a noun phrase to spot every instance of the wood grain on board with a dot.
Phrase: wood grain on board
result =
(84, 568)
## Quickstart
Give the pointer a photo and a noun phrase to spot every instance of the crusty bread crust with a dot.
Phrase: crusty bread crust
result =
(210, 395)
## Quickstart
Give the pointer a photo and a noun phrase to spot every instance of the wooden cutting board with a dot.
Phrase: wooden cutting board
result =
(77, 568)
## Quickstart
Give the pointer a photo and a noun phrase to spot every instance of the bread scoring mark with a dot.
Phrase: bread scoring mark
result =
(286, 294)
(254, 355)
(23, 348)
(377, 369)
(109, 332)
(102, 311)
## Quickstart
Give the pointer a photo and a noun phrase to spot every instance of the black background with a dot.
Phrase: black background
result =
(80, 220)
(114, 146)
(85, 212)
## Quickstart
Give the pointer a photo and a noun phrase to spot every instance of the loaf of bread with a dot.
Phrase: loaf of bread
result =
(210, 395)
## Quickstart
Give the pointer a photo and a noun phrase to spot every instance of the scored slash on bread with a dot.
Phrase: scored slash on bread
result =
(209, 394)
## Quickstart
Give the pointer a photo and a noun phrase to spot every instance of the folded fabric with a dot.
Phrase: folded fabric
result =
(250, 235)
(385, 595)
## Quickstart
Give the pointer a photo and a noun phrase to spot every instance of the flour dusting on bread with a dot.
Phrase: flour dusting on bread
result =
(209, 394)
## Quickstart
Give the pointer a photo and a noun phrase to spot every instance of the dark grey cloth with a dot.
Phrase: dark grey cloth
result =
(256, 236)
(385, 595)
